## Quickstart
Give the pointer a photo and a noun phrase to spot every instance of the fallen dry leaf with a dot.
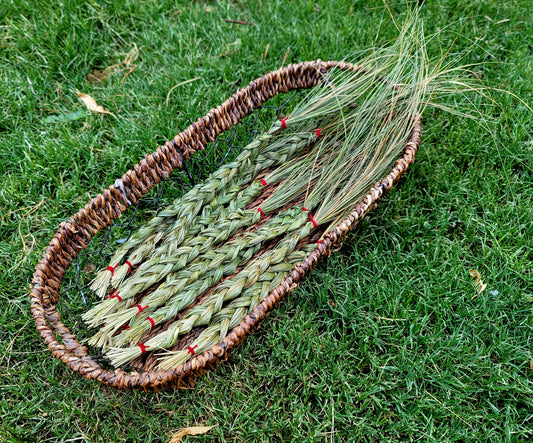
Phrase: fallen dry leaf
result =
(195, 430)
(97, 76)
(478, 283)
(91, 105)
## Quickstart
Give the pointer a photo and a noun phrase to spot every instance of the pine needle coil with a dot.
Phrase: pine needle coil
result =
(75, 234)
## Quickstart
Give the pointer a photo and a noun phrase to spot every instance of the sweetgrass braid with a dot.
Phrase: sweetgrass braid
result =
(181, 289)
(180, 292)
(251, 166)
(178, 216)
(194, 277)
(202, 272)
(173, 224)
(225, 320)
(244, 282)
(197, 315)
(153, 268)
(206, 268)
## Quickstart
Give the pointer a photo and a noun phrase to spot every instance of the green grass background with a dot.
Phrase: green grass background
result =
(384, 341)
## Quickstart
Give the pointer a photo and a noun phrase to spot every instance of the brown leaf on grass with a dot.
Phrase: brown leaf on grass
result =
(195, 430)
(97, 76)
(478, 283)
(91, 105)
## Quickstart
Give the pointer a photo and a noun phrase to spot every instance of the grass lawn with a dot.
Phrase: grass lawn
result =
(387, 340)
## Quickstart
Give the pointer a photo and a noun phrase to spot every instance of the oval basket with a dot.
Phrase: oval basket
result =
(74, 234)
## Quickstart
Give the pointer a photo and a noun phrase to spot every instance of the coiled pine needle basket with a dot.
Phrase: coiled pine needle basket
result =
(75, 234)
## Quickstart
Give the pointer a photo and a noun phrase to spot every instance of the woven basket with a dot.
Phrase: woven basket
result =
(75, 234)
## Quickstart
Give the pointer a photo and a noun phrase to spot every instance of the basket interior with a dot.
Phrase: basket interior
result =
(75, 295)
(59, 292)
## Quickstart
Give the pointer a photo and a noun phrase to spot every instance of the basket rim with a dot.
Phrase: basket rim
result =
(75, 233)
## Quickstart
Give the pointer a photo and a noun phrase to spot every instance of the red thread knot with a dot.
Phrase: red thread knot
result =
(129, 265)
(125, 326)
(263, 182)
(311, 219)
(318, 242)
(151, 320)
(261, 212)
(111, 269)
(140, 308)
(143, 347)
(283, 121)
(318, 134)
(190, 350)
(115, 295)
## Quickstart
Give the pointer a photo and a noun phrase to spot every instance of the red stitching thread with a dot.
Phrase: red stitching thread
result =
(140, 308)
(125, 326)
(318, 242)
(261, 212)
(115, 295)
(263, 182)
(311, 219)
(143, 347)
(151, 320)
(315, 224)
(190, 350)
(283, 121)
(127, 262)
(111, 269)
(318, 134)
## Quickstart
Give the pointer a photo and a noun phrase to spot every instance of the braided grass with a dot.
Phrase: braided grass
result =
(169, 258)
(275, 155)
(182, 287)
(256, 276)
(219, 189)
